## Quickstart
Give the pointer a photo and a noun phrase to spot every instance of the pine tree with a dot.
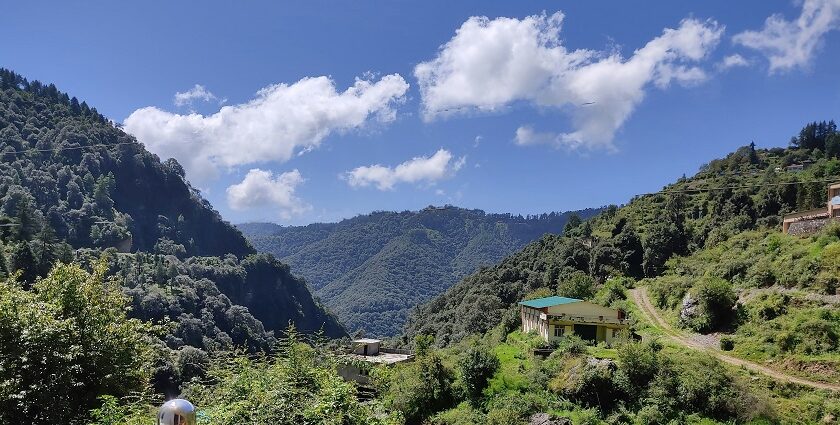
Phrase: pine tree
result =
(75, 107)
(753, 155)
(21, 259)
(45, 249)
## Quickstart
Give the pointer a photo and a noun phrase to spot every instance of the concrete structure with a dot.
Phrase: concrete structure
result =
(806, 222)
(555, 317)
(369, 351)
(366, 346)
(834, 200)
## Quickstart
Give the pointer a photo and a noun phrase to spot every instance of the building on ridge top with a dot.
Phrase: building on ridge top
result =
(807, 222)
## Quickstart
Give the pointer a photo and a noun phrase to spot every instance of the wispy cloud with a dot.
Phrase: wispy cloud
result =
(733, 61)
(416, 170)
(198, 92)
(792, 44)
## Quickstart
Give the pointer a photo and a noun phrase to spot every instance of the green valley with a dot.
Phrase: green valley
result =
(372, 270)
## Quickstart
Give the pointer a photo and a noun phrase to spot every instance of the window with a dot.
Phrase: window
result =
(558, 331)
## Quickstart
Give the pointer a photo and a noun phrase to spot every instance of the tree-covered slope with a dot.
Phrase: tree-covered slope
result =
(373, 269)
(749, 189)
(72, 185)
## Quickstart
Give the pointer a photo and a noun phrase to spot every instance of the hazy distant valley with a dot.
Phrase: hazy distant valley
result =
(372, 270)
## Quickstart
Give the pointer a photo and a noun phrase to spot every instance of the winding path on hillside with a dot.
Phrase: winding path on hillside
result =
(640, 297)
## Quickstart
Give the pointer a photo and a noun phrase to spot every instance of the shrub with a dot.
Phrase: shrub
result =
(192, 362)
(818, 336)
(463, 414)
(727, 343)
(668, 291)
(769, 306)
(512, 408)
(589, 382)
(66, 343)
(612, 291)
(706, 388)
(571, 344)
(420, 389)
(296, 386)
(638, 365)
(477, 366)
(716, 301)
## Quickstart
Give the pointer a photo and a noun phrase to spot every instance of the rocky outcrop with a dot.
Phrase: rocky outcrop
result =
(546, 419)
(690, 309)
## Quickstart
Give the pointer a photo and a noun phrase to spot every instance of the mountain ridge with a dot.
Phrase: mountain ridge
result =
(73, 180)
(372, 269)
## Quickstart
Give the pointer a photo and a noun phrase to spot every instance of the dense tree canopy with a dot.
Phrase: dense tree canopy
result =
(73, 185)
(373, 269)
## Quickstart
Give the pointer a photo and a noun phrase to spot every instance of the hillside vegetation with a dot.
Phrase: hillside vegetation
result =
(75, 190)
(371, 270)
(739, 193)
(709, 248)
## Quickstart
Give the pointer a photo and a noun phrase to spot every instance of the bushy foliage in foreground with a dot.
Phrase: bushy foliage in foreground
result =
(477, 366)
(64, 344)
(419, 389)
(298, 385)
(636, 382)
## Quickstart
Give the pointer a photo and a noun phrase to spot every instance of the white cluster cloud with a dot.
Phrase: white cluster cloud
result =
(419, 169)
(490, 64)
(198, 92)
(791, 44)
(261, 189)
(280, 120)
(526, 136)
(733, 61)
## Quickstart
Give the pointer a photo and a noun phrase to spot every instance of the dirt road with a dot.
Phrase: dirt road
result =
(640, 297)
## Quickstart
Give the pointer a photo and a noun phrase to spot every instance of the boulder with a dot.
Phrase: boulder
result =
(690, 309)
(546, 419)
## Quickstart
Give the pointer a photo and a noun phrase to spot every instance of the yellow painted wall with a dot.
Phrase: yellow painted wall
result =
(532, 321)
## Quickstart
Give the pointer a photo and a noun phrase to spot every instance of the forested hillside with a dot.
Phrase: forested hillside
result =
(371, 270)
(749, 189)
(76, 188)
(710, 252)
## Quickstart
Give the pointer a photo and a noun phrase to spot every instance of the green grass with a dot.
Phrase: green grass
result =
(514, 362)
(601, 352)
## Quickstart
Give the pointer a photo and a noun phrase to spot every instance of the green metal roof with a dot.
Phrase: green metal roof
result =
(548, 302)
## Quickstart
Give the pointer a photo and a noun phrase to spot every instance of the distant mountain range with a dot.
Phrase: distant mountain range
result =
(372, 270)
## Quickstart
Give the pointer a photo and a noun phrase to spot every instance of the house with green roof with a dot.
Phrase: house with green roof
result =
(555, 317)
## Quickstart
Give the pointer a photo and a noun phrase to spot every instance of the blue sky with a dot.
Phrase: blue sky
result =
(522, 107)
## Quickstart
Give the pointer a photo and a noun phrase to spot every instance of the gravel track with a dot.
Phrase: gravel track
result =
(640, 297)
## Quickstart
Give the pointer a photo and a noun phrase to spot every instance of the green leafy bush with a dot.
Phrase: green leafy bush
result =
(420, 389)
(716, 301)
(65, 344)
(477, 366)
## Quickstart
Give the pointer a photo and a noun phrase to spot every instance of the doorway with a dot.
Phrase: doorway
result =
(587, 332)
